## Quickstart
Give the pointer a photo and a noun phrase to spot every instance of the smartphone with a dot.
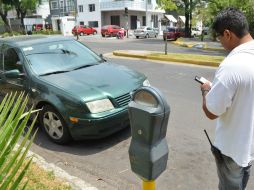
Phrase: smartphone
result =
(201, 80)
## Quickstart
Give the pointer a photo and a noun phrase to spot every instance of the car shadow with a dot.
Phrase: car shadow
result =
(84, 147)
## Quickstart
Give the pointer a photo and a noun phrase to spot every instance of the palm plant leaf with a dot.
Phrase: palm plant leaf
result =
(13, 122)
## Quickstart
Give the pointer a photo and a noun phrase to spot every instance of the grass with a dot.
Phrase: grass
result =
(188, 58)
(39, 179)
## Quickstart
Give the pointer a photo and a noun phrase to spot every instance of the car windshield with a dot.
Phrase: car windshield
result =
(170, 29)
(59, 56)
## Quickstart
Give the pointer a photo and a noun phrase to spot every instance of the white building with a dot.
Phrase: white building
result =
(97, 13)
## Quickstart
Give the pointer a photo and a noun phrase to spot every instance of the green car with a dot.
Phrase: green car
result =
(81, 95)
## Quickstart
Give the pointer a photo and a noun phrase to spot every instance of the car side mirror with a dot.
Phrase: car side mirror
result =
(101, 56)
(13, 74)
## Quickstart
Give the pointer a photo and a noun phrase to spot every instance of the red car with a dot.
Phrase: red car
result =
(110, 30)
(82, 30)
(173, 33)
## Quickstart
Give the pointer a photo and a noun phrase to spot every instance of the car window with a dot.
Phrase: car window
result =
(116, 27)
(59, 56)
(171, 30)
(11, 60)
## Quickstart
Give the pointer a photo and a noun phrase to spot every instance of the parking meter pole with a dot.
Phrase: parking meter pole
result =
(166, 46)
(148, 185)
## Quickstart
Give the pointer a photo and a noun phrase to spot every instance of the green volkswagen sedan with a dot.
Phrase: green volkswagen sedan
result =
(81, 95)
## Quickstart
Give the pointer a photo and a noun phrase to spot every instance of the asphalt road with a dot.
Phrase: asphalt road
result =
(105, 163)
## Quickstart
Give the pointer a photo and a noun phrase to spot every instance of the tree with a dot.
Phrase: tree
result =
(22, 7)
(4, 8)
(246, 6)
(167, 4)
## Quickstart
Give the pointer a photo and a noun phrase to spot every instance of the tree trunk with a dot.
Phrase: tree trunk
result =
(190, 17)
(6, 21)
(187, 18)
(22, 16)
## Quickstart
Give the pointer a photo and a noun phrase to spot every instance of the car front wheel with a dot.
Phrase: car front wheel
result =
(54, 125)
(94, 33)
(81, 34)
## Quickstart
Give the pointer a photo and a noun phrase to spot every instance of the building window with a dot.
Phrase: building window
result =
(149, 2)
(93, 24)
(115, 20)
(54, 5)
(91, 7)
(61, 4)
(80, 8)
(143, 20)
(81, 23)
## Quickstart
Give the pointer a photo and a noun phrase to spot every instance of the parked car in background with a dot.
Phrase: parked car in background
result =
(145, 32)
(37, 27)
(81, 95)
(110, 30)
(82, 30)
(172, 33)
(195, 32)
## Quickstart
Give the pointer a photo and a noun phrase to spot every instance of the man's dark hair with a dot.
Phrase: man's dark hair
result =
(231, 19)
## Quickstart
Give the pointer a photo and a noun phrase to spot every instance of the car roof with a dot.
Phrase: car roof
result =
(19, 41)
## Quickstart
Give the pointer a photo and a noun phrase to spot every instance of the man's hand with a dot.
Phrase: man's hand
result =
(205, 88)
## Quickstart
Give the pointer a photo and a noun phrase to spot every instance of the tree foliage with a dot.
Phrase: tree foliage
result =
(22, 7)
(246, 6)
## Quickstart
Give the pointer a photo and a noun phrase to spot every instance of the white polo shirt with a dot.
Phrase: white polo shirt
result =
(232, 99)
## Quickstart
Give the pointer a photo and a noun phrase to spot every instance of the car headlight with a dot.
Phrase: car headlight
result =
(146, 83)
(100, 105)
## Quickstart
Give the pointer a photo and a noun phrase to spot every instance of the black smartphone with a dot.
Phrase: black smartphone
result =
(201, 80)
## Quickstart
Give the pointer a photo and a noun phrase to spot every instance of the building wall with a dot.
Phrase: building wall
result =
(87, 16)
(104, 16)
(43, 9)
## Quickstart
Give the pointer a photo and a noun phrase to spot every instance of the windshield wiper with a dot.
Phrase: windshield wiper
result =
(84, 66)
(53, 72)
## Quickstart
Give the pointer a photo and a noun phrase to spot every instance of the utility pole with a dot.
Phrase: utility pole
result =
(75, 14)
(146, 14)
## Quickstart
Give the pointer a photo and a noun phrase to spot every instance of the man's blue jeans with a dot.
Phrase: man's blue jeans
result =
(231, 176)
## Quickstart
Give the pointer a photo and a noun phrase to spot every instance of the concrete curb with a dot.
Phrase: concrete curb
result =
(178, 60)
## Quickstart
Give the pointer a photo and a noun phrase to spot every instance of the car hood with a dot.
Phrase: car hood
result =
(96, 81)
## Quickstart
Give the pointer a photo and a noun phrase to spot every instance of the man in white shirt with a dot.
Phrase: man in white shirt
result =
(230, 100)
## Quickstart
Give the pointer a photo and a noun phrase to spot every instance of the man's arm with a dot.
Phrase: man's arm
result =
(205, 89)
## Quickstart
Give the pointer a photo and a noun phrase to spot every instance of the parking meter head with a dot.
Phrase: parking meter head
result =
(149, 114)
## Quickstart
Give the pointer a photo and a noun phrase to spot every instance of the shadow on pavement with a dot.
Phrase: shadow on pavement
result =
(84, 147)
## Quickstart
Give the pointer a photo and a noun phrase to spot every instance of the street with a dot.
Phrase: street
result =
(105, 163)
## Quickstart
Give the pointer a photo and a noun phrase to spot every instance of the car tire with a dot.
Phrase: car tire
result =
(94, 33)
(147, 35)
(103, 35)
(54, 125)
(137, 37)
(81, 34)
(155, 36)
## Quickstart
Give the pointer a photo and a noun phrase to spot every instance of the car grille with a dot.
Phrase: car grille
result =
(123, 100)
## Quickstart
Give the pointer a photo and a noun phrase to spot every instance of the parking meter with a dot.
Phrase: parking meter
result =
(149, 114)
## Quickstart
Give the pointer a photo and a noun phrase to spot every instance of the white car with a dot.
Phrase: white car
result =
(195, 32)
(145, 32)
